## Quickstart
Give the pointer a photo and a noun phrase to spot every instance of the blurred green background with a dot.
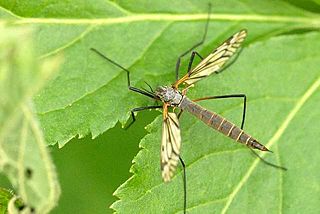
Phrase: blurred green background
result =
(87, 170)
(91, 170)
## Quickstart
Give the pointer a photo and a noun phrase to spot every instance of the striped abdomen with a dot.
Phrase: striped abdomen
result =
(220, 124)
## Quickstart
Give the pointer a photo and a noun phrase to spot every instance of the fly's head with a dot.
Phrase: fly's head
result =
(169, 95)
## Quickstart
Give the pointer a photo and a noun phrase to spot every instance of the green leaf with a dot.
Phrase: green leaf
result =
(89, 95)
(5, 197)
(281, 79)
(23, 155)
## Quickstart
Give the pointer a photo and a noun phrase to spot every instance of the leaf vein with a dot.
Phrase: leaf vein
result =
(274, 139)
(122, 9)
(130, 66)
(313, 20)
(73, 41)
(205, 203)
(212, 153)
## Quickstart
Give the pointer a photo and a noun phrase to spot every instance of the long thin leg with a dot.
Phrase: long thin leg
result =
(230, 96)
(191, 61)
(268, 163)
(137, 90)
(242, 123)
(180, 113)
(140, 109)
(184, 186)
(194, 46)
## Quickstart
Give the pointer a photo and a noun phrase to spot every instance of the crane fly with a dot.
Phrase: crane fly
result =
(172, 97)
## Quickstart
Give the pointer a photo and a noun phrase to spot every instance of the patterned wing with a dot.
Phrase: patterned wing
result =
(170, 145)
(216, 60)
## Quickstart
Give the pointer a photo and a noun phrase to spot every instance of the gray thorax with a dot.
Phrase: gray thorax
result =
(169, 95)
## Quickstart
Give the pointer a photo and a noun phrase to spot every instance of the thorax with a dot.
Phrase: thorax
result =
(169, 95)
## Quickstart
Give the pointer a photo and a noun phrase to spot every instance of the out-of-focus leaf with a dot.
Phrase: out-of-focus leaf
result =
(5, 197)
(24, 158)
